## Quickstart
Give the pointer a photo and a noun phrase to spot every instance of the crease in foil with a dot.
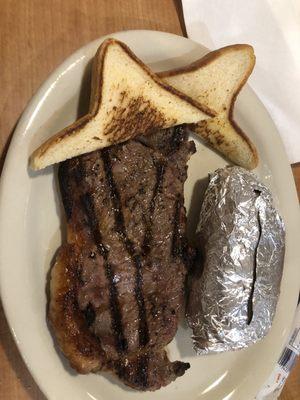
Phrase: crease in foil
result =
(232, 304)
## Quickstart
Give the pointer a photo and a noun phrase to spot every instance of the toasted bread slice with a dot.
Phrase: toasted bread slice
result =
(214, 81)
(127, 99)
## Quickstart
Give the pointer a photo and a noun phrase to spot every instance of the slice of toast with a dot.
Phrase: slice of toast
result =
(127, 99)
(214, 81)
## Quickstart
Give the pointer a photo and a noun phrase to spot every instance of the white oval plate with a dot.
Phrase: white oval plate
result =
(30, 235)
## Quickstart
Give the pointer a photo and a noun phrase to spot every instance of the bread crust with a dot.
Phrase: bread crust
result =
(208, 59)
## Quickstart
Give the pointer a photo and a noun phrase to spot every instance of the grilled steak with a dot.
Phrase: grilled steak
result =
(117, 287)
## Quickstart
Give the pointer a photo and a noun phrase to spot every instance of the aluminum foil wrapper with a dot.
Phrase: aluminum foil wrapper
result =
(233, 301)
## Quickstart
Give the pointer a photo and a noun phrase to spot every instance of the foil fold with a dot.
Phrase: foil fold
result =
(232, 302)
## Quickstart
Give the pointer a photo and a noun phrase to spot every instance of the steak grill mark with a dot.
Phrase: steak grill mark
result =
(142, 371)
(177, 245)
(177, 138)
(64, 179)
(160, 171)
(116, 317)
(120, 228)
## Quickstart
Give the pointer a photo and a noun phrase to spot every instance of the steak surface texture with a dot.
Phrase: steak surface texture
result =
(117, 287)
